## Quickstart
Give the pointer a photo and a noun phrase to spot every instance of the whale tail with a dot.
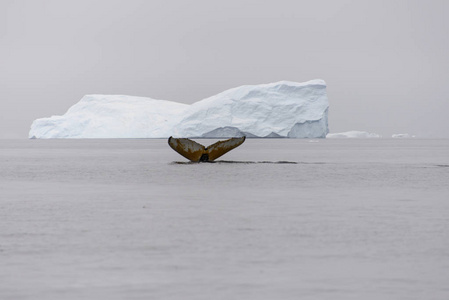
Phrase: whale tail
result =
(196, 152)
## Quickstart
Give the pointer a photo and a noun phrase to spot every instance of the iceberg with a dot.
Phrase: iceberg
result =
(402, 136)
(111, 116)
(353, 134)
(274, 110)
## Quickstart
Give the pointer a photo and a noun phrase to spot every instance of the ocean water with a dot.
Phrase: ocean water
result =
(273, 219)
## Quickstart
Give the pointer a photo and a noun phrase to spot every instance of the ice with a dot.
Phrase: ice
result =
(111, 116)
(227, 131)
(402, 136)
(353, 134)
(281, 109)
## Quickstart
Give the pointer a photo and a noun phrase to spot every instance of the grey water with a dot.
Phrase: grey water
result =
(272, 219)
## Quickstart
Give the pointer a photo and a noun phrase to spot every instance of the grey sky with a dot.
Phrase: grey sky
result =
(386, 63)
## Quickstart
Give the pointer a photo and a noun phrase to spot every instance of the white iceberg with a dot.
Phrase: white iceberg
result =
(402, 136)
(281, 109)
(110, 116)
(353, 134)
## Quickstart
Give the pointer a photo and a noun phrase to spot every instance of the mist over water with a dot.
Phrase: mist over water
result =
(277, 218)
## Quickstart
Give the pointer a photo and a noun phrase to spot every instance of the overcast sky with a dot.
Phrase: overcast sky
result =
(386, 63)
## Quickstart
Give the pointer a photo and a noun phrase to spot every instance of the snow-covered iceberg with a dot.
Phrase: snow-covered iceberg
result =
(281, 109)
(353, 134)
(110, 116)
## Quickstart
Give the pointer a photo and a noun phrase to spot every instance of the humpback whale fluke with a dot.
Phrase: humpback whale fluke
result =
(197, 152)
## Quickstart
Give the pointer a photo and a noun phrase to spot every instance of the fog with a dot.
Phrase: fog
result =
(385, 62)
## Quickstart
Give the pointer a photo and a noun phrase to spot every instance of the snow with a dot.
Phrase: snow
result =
(281, 109)
(353, 134)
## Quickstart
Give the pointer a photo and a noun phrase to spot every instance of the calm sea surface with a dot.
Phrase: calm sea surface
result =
(273, 219)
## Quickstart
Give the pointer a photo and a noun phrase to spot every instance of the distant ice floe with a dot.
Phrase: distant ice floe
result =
(402, 136)
(280, 109)
(353, 134)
